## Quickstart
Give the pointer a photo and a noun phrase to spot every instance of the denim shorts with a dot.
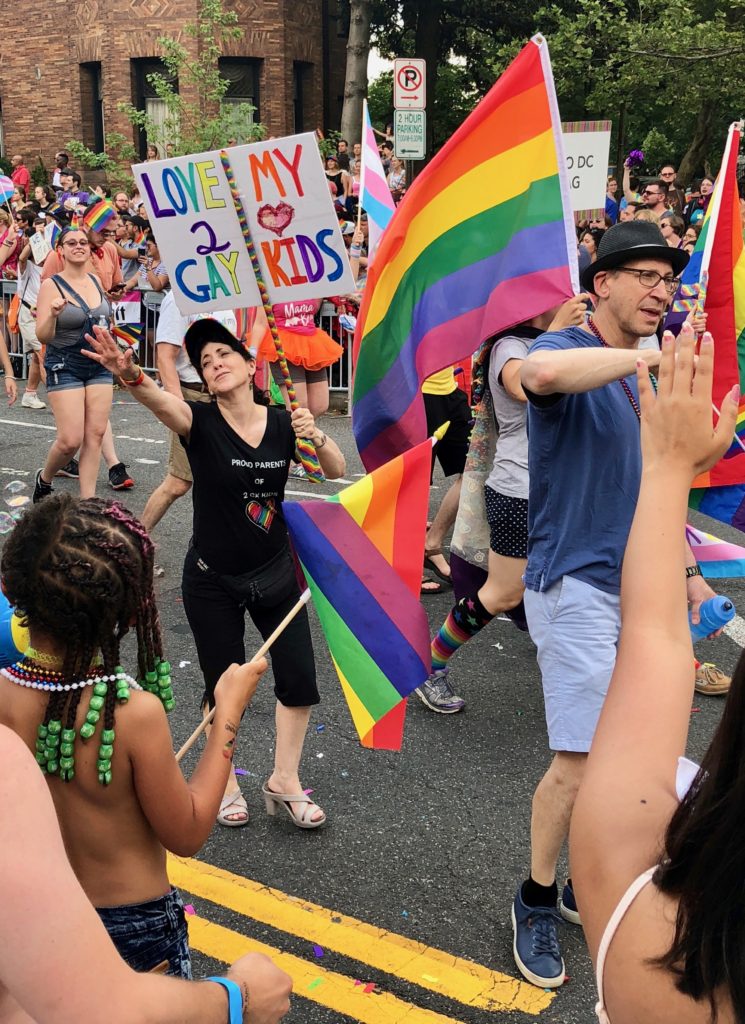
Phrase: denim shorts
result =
(575, 627)
(146, 934)
(67, 368)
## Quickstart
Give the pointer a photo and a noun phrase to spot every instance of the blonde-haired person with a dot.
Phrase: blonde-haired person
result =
(647, 215)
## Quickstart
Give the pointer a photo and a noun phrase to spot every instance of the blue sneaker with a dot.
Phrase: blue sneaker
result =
(568, 904)
(536, 944)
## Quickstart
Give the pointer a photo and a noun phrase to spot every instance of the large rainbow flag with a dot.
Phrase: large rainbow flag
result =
(724, 263)
(362, 552)
(483, 239)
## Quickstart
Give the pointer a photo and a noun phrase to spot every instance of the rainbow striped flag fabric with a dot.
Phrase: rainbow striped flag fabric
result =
(375, 196)
(96, 217)
(724, 264)
(362, 552)
(718, 559)
(692, 288)
(130, 334)
(483, 239)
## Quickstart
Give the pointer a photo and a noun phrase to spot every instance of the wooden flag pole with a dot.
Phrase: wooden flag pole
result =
(301, 603)
(305, 448)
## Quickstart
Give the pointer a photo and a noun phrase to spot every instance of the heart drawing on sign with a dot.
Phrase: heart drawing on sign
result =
(262, 515)
(275, 218)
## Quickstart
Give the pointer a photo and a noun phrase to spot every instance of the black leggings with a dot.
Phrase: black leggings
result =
(217, 619)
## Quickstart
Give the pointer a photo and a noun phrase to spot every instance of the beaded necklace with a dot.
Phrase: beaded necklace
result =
(55, 751)
(622, 380)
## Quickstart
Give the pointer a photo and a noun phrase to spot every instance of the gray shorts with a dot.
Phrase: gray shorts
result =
(575, 627)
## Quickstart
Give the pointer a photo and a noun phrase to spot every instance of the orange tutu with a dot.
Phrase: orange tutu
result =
(313, 351)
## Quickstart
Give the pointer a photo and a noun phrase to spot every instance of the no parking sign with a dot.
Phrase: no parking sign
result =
(409, 91)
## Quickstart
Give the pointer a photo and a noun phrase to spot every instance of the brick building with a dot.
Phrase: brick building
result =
(64, 69)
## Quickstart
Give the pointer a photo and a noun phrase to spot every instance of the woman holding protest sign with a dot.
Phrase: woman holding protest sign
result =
(239, 451)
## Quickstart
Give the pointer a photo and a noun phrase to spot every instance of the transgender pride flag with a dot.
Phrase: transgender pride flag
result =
(375, 196)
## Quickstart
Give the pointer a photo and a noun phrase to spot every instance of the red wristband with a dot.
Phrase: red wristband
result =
(133, 383)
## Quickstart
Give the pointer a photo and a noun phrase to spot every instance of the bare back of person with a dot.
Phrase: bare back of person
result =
(635, 991)
(110, 843)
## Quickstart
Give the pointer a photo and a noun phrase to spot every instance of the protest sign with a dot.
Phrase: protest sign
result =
(586, 146)
(40, 247)
(290, 213)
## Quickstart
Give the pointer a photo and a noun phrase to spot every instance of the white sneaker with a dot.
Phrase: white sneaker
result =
(31, 401)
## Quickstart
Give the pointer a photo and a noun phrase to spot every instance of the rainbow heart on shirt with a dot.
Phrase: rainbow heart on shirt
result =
(275, 218)
(262, 515)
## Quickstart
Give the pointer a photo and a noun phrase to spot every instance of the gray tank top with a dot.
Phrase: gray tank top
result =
(73, 319)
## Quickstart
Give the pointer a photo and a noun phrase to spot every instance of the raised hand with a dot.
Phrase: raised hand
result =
(106, 352)
(57, 305)
(571, 313)
(676, 425)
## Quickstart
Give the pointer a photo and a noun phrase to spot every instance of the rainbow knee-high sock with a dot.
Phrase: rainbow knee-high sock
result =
(465, 620)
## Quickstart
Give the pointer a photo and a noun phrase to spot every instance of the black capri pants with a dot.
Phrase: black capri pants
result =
(216, 607)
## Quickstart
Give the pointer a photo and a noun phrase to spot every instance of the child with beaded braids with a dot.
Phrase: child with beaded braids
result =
(81, 574)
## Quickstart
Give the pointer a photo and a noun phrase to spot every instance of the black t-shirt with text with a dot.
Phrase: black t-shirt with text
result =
(238, 490)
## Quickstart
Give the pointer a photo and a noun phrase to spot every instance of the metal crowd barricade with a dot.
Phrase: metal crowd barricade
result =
(340, 372)
(14, 342)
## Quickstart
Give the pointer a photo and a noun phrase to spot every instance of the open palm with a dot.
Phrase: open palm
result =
(104, 350)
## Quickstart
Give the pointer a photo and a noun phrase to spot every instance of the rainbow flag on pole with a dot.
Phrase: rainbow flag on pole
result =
(483, 239)
(362, 552)
(724, 264)
(375, 196)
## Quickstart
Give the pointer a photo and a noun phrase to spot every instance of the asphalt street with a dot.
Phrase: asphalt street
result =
(427, 844)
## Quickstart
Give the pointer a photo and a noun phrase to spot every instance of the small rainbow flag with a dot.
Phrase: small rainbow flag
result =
(718, 559)
(483, 239)
(130, 334)
(362, 551)
(96, 217)
(724, 264)
(141, 237)
(692, 288)
(52, 232)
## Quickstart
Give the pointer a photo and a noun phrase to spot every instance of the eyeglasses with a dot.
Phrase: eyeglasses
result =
(667, 174)
(76, 245)
(650, 279)
(646, 192)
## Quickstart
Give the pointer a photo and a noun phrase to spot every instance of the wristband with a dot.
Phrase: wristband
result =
(139, 379)
(693, 570)
(235, 998)
(320, 444)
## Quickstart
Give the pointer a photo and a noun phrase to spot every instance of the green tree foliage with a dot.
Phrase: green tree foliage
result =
(667, 75)
(193, 91)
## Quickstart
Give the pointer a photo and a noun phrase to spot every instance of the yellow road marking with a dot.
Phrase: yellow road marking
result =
(318, 984)
(433, 969)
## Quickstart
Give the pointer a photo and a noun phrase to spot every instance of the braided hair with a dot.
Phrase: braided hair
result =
(81, 574)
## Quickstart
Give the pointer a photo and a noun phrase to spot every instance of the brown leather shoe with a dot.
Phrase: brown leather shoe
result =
(711, 680)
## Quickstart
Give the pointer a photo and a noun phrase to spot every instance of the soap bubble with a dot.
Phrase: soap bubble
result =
(6, 523)
(16, 494)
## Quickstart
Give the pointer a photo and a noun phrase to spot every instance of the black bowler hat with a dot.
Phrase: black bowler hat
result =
(632, 240)
(207, 329)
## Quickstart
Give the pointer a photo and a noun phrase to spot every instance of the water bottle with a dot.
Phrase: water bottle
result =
(715, 613)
